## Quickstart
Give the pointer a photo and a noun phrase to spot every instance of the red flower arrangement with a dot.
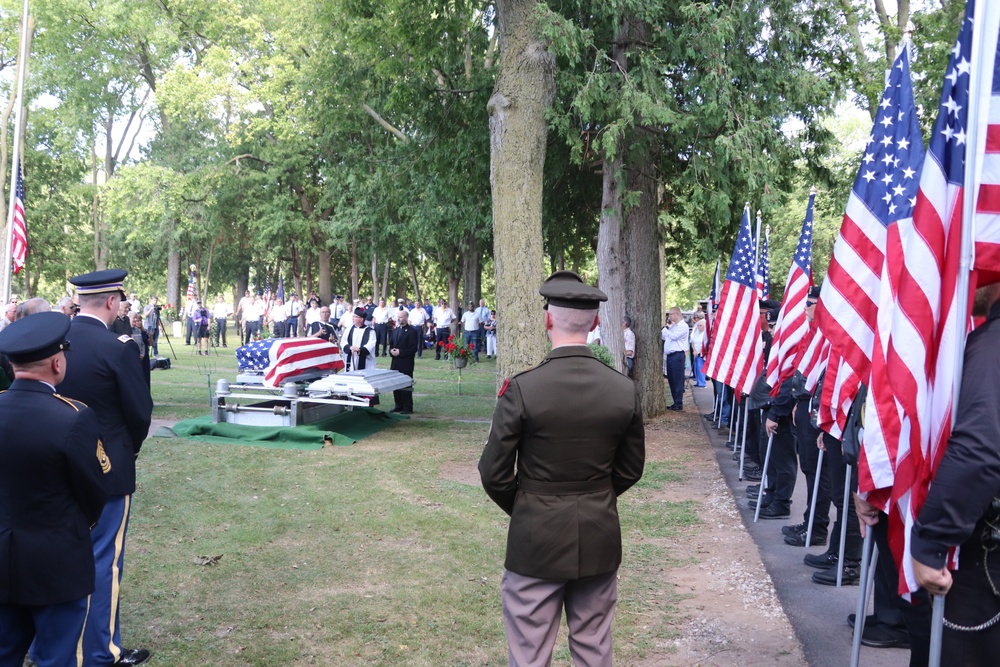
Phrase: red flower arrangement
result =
(455, 351)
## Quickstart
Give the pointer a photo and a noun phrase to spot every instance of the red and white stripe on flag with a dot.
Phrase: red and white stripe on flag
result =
(292, 357)
(19, 234)
(792, 322)
(812, 355)
(735, 354)
(925, 334)
(884, 192)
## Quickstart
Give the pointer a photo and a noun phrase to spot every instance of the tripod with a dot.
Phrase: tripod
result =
(159, 327)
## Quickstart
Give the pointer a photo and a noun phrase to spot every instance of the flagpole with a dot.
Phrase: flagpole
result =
(22, 63)
(984, 45)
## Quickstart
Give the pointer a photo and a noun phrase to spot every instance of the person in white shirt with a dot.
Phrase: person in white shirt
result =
(251, 319)
(312, 315)
(699, 338)
(189, 321)
(629, 345)
(295, 309)
(278, 316)
(443, 317)
(491, 335)
(484, 314)
(470, 329)
(380, 322)
(135, 306)
(675, 345)
(338, 309)
(418, 320)
(358, 344)
(220, 313)
(346, 318)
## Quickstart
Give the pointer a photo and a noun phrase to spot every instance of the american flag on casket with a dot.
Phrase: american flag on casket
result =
(282, 359)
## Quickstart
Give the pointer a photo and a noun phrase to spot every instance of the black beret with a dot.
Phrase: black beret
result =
(772, 315)
(567, 289)
(768, 304)
(97, 282)
(814, 291)
(35, 337)
(359, 312)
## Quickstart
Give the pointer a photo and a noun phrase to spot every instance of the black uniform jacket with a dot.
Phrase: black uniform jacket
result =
(104, 371)
(54, 482)
(567, 439)
(406, 338)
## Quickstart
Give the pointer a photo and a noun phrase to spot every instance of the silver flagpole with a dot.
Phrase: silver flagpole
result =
(763, 478)
(843, 525)
(22, 63)
(869, 556)
(743, 446)
(812, 508)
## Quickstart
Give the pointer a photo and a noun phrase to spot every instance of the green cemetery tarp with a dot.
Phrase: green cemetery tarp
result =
(344, 429)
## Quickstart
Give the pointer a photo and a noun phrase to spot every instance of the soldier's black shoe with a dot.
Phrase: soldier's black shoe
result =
(823, 561)
(775, 511)
(753, 473)
(753, 490)
(132, 656)
(709, 416)
(795, 529)
(852, 574)
(871, 619)
(884, 636)
(799, 540)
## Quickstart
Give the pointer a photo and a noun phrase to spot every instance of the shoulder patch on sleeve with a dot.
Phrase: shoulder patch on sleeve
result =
(124, 339)
(503, 388)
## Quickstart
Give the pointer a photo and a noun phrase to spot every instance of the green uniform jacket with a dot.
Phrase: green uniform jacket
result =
(567, 439)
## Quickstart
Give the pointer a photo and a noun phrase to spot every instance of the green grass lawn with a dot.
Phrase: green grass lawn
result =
(386, 552)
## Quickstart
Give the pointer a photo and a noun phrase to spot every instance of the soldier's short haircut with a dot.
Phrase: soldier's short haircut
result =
(93, 299)
(571, 320)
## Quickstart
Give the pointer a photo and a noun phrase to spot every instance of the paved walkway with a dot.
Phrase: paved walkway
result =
(818, 613)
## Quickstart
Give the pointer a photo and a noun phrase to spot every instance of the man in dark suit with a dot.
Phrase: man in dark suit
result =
(55, 481)
(403, 348)
(105, 372)
(567, 439)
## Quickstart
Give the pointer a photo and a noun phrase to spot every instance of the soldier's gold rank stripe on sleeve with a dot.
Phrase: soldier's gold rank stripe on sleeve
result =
(76, 405)
(103, 458)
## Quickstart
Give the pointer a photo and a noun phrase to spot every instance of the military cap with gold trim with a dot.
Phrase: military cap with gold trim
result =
(98, 282)
(35, 337)
(567, 289)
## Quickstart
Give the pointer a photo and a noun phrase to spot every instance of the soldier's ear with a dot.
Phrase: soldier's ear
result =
(597, 320)
(548, 321)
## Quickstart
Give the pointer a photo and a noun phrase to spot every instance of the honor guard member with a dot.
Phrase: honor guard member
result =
(105, 372)
(403, 348)
(567, 439)
(55, 481)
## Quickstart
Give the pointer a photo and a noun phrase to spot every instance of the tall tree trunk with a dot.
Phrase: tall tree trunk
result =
(374, 276)
(174, 278)
(472, 271)
(355, 271)
(453, 280)
(628, 255)
(413, 277)
(385, 279)
(524, 90)
(323, 268)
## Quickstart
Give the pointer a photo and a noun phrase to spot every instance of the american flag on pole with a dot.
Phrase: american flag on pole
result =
(884, 191)
(283, 359)
(926, 331)
(19, 242)
(267, 295)
(735, 354)
(280, 294)
(792, 323)
(190, 292)
(763, 264)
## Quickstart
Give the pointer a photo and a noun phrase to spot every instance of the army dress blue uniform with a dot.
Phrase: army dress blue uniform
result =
(105, 372)
(54, 482)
